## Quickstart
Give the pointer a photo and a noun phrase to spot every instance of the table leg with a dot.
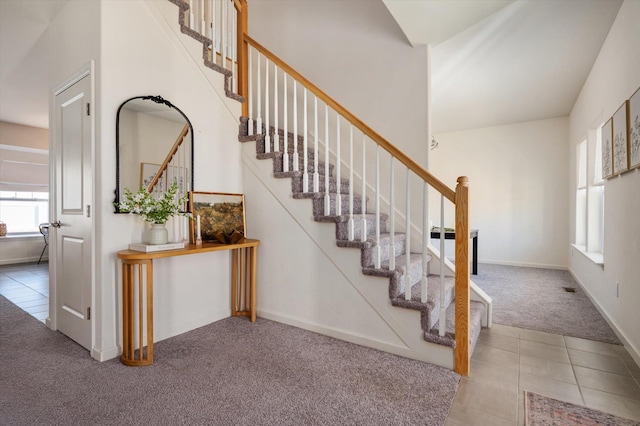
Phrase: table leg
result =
(475, 255)
(252, 275)
(145, 287)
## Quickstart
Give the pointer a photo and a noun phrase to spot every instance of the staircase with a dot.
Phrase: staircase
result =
(429, 310)
(327, 183)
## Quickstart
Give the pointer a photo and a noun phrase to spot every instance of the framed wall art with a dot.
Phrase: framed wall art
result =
(620, 140)
(606, 136)
(220, 216)
(147, 172)
(634, 130)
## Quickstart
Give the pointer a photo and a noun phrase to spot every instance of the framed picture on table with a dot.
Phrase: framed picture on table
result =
(217, 217)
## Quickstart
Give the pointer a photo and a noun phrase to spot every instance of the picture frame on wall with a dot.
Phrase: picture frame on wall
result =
(221, 216)
(634, 130)
(173, 174)
(148, 171)
(606, 137)
(620, 140)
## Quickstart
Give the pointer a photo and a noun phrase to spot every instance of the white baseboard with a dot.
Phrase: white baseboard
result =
(633, 351)
(105, 354)
(522, 264)
(443, 352)
(22, 260)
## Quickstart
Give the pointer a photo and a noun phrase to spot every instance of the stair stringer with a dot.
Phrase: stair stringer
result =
(476, 293)
(167, 15)
(402, 334)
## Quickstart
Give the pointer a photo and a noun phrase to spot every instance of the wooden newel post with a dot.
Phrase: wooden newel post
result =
(243, 54)
(461, 352)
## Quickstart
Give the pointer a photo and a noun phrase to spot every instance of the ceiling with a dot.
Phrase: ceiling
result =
(502, 62)
(494, 62)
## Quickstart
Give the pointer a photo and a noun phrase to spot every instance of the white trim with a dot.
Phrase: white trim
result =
(633, 351)
(522, 264)
(595, 257)
(86, 70)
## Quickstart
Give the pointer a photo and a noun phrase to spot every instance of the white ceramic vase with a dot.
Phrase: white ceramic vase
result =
(158, 234)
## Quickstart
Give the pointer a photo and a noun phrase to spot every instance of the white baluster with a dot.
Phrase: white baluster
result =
(407, 241)
(338, 194)
(351, 224)
(363, 236)
(223, 30)
(259, 113)
(212, 28)
(305, 147)
(443, 312)
(267, 136)
(378, 251)
(327, 198)
(392, 217)
(192, 16)
(296, 166)
(316, 176)
(426, 234)
(250, 92)
(286, 158)
(276, 111)
(234, 47)
(203, 24)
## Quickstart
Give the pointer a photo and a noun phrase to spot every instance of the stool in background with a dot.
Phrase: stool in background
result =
(44, 230)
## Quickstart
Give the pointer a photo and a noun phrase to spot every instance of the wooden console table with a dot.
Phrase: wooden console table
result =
(137, 271)
(473, 234)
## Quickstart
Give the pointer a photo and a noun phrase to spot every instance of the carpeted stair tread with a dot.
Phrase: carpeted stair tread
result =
(429, 311)
(318, 204)
(476, 312)
(297, 181)
(433, 294)
(342, 228)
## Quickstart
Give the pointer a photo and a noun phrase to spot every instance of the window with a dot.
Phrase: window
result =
(24, 211)
(590, 197)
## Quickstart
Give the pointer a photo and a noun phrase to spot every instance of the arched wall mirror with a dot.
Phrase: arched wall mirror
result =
(154, 146)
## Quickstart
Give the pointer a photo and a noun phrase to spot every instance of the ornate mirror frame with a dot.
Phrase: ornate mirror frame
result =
(157, 104)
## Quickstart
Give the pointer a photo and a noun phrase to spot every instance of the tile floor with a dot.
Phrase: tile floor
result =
(508, 360)
(27, 286)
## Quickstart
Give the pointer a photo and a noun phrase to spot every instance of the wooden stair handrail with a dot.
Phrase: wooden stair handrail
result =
(372, 134)
(459, 197)
(169, 157)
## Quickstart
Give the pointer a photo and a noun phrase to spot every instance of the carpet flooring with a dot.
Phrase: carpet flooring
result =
(534, 299)
(229, 372)
(543, 411)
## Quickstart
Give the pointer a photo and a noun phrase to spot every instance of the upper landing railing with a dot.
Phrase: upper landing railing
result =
(312, 130)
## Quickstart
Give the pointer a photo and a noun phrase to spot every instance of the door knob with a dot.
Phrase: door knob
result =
(57, 224)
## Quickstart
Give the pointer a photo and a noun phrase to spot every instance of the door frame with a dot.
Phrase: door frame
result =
(87, 70)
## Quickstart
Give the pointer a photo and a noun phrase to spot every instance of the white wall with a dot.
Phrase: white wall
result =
(355, 52)
(140, 55)
(518, 198)
(614, 77)
(136, 53)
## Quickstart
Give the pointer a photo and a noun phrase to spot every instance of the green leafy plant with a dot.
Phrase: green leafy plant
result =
(154, 210)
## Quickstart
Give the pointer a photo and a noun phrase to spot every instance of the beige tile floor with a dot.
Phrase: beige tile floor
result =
(27, 286)
(508, 360)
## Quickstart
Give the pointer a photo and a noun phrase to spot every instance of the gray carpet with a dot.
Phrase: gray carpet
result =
(534, 298)
(230, 372)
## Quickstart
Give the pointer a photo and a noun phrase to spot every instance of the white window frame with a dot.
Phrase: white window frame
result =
(590, 189)
(33, 198)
